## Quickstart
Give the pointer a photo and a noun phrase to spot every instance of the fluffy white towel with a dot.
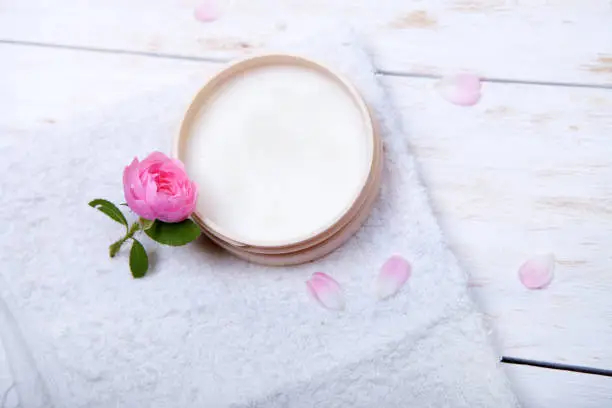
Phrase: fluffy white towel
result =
(206, 329)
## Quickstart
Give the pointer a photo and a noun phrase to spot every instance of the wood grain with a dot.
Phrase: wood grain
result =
(552, 41)
(526, 171)
(45, 87)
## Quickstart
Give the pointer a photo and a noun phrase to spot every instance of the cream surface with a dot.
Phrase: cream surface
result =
(279, 154)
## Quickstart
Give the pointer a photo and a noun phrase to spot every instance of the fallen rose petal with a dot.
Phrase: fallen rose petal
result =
(537, 273)
(393, 275)
(206, 12)
(461, 89)
(325, 290)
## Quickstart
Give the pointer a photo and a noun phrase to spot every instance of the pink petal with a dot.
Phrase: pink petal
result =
(178, 164)
(206, 12)
(325, 290)
(461, 89)
(537, 273)
(393, 275)
(154, 158)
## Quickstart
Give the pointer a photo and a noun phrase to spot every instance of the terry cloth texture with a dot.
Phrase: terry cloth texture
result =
(205, 329)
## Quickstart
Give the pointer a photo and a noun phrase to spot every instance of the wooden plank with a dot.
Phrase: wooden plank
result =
(42, 87)
(558, 41)
(526, 171)
(542, 388)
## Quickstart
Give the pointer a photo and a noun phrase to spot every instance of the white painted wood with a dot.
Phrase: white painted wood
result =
(536, 40)
(542, 388)
(526, 170)
(41, 87)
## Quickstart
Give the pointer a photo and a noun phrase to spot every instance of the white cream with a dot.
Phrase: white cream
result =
(279, 154)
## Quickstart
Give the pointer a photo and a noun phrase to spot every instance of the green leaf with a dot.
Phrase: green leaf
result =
(139, 261)
(115, 247)
(174, 234)
(109, 209)
(146, 224)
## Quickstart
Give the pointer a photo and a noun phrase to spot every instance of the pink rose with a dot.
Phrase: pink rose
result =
(158, 188)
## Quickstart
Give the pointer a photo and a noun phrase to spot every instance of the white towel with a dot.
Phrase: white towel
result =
(205, 329)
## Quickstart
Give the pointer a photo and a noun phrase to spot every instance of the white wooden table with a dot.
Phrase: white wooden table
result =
(527, 170)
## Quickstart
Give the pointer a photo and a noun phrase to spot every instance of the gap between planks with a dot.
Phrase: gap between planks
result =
(180, 57)
(557, 366)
